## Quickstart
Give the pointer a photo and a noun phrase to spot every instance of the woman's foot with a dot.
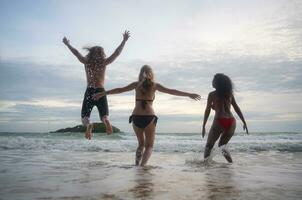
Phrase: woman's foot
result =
(227, 155)
(88, 133)
(146, 155)
(138, 156)
(207, 161)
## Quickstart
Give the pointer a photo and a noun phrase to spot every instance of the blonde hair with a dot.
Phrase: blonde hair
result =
(146, 73)
(146, 76)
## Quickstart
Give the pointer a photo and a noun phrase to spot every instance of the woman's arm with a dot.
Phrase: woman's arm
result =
(115, 91)
(163, 89)
(207, 113)
(119, 49)
(74, 51)
(239, 113)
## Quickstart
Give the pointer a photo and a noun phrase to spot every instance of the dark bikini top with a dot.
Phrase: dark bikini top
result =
(144, 101)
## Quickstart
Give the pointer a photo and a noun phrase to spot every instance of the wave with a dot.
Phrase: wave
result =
(126, 142)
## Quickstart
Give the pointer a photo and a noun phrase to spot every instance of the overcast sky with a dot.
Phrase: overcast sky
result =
(257, 43)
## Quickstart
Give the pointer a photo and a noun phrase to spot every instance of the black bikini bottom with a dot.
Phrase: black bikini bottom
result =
(142, 121)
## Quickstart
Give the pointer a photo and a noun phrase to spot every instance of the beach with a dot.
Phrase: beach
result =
(66, 166)
(179, 68)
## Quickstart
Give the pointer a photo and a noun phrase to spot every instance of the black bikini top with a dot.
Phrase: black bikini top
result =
(144, 101)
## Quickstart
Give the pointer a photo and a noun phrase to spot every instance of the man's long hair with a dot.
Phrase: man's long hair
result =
(96, 55)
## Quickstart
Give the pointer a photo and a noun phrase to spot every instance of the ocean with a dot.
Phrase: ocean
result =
(67, 166)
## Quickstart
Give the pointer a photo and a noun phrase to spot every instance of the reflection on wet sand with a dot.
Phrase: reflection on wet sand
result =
(144, 186)
(220, 183)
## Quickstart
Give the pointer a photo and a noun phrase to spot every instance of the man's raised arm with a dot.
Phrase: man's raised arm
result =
(74, 51)
(119, 49)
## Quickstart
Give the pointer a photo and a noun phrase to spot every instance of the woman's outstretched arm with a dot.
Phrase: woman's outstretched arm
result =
(119, 49)
(127, 88)
(239, 113)
(75, 52)
(163, 89)
(207, 113)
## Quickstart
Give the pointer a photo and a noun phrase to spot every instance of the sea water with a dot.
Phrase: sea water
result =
(67, 166)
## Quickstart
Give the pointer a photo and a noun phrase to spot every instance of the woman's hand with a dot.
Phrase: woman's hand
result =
(98, 95)
(245, 128)
(65, 41)
(196, 97)
(203, 131)
(126, 35)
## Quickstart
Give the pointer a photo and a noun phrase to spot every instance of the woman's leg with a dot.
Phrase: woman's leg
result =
(150, 135)
(213, 136)
(224, 139)
(141, 143)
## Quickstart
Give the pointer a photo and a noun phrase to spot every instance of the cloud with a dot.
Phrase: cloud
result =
(26, 80)
(267, 90)
(7, 105)
(257, 43)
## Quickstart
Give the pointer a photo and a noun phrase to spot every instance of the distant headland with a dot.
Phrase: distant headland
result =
(97, 128)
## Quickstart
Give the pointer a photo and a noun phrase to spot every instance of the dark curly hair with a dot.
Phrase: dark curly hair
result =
(224, 87)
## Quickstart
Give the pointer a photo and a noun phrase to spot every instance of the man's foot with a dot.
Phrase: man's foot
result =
(88, 133)
(108, 126)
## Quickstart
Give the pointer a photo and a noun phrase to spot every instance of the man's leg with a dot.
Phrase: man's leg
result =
(105, 120)
(102, 106)
(85, 114)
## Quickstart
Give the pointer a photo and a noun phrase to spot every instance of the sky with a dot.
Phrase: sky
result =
(257, 43)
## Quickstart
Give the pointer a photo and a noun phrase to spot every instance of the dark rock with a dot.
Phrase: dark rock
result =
(97, 128)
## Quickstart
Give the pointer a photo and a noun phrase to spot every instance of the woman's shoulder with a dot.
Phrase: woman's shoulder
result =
(156, 85)
(135, 84)
(212, 94)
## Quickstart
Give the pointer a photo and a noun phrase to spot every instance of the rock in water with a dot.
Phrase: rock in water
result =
(97, 128)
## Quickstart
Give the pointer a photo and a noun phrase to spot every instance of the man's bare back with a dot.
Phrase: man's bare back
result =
(95, 75)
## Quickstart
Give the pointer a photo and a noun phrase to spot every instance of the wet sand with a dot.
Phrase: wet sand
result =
(99, 175)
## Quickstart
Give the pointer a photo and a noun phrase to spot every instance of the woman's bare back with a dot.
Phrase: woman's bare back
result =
(147, 98)
(222, 108)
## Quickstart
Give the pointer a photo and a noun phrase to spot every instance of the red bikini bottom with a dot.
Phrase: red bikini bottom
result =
(226, 123)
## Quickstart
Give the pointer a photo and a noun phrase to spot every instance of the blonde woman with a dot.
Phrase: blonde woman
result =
(143, 117)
